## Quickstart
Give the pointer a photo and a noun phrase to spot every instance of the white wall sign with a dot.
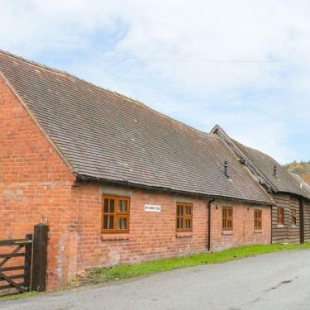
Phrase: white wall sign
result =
(152, 208)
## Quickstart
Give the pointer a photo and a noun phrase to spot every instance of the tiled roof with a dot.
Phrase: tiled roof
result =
(303, 185)
(262, 165)
(106, 136)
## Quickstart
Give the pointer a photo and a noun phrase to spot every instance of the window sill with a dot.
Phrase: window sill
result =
(280, 226)
(227, 232)
(107, 237)
(184, 234)
(258, 231)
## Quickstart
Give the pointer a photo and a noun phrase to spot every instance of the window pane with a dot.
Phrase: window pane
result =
(105, 222)
(122, 206)
(187, 223)
(111, 222)
(224, 213)
(121, 223)
(180, 210)
(106, 205)
(111, 205)
(188, 210)
(179, 223)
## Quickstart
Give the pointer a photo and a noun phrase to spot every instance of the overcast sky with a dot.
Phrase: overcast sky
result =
(244, 65)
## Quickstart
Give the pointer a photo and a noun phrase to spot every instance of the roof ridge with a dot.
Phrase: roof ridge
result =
(34, 63)
(158, 112)
(54, 70)
(124, 97)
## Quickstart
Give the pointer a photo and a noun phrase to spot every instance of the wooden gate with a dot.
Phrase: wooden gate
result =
(15, 265)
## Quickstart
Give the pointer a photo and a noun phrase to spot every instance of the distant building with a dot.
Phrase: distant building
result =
(291, 212)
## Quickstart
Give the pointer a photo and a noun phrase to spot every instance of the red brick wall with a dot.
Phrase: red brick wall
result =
(33, 182)
(243, 232)
(153, 234)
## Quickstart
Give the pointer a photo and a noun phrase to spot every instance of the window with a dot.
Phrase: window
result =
(294, 218)
(227, 218)
(184, 217)
(280, 216)
(257, 219)
(115, 214)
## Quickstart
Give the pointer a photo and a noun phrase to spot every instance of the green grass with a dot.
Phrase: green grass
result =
(18, 296)
(126, 271)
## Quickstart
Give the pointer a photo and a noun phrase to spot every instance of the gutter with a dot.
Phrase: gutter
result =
(209, 223)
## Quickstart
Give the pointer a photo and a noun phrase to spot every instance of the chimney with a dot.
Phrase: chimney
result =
(275, 171)
(226, 168)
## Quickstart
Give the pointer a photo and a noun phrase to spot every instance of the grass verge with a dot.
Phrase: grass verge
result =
(18, 296)
(126, 271)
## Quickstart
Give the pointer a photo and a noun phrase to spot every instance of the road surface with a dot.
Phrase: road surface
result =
(272, 281)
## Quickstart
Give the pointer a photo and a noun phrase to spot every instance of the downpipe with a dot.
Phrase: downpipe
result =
(209, 223)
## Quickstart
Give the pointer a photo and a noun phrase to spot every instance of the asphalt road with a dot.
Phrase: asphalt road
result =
(272, 281)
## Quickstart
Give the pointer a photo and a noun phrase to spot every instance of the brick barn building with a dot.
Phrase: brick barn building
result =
(116, 181)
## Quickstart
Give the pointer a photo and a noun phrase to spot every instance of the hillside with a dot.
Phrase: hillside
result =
(301, 168)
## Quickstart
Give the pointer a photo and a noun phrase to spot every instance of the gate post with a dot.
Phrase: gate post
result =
(39, 257)
(28, 252)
